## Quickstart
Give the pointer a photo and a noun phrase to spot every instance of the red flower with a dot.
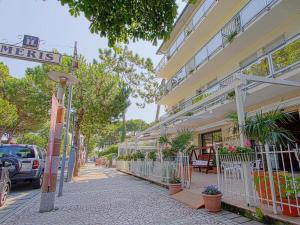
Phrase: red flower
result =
(232, 148)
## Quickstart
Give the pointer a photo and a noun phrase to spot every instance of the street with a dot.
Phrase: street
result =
(18, 198)
(106, 196)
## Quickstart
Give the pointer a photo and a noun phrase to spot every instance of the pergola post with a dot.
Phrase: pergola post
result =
(240, 104)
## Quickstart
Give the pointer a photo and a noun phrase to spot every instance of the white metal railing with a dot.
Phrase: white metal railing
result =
(201, 13)
(285, 57)
(268, 178)
(159, 171)
(238, 23)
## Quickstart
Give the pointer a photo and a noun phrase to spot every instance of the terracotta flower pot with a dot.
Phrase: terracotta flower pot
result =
(212, 202)
(174, 188)
(292, 210)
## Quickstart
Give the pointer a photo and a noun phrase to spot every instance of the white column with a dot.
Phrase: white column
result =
(240, 100)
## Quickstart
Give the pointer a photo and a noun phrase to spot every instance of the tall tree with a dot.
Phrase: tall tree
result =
(8, 116)
(120, 21)
(135, 71)
(98, 99)
(31, 102)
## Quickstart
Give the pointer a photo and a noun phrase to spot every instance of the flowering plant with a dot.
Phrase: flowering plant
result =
(230, 149)
(211, 190)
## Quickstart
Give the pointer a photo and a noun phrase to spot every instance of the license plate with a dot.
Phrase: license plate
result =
(26, 166)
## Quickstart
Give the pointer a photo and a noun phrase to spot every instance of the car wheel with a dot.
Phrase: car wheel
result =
(4, 194)
(37, 183)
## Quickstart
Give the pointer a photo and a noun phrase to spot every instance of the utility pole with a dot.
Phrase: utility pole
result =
(52, 158)
(62, 171)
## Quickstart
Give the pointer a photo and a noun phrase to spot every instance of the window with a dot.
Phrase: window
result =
(251, 10)
(20, 152)
(213, 139)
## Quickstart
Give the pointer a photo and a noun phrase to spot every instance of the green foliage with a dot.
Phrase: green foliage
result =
(33, 139)
(291, 187)
(113, 149)
(235, 150)
(32, 103)
(174, 180)
(286, 56)
(138, 155)
(264, 128)
(109, 157)
(137, 72)
(152, 155)
(120, 21)
(231, 36)
(8, 115)
(182, 143)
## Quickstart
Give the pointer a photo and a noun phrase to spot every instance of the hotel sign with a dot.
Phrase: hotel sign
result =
(30, 52)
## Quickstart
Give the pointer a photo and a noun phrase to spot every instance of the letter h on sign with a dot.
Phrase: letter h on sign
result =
(31, 42)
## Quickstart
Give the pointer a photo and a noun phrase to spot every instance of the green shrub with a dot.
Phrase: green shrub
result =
(152, 155)
(109, 150)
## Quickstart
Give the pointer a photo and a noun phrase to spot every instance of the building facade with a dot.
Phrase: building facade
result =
(211, 44)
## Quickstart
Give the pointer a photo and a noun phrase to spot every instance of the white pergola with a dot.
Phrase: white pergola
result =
(240, 95)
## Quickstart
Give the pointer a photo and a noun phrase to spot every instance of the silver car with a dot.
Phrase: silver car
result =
(27, 163)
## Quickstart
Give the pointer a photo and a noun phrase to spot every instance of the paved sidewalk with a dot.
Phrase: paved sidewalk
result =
(105, 196)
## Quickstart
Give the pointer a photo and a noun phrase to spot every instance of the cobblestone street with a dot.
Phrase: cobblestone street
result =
(105, 196)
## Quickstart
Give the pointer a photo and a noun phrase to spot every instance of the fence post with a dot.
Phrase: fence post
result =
(218, 168)
(271, 178)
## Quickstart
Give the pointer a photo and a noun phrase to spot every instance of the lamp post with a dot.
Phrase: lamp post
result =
(71, 162)
(62, 172)
(52, 158)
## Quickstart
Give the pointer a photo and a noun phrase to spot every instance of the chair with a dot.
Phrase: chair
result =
(203, 160)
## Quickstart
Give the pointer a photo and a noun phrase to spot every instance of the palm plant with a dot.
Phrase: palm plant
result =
(264, 128)
(182, 143)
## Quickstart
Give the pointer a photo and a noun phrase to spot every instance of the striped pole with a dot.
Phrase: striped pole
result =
(52, 158)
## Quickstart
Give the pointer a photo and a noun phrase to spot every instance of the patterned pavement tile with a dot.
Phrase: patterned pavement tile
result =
(113, 198)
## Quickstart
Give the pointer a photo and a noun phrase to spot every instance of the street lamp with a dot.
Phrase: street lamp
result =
(52, 158)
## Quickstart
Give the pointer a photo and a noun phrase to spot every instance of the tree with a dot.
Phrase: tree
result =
(32, 104)
(4, 75)
(98, 98)
(33, 139)
(8, 116)
(136, 72)
(136, 125)
(120, 21)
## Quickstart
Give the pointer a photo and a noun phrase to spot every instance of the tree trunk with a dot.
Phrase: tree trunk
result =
(1, 134)
(123, 136)
(77, 142)
(157, 112)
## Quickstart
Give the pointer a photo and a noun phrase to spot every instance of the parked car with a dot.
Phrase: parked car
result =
(27, 163)
(5, 183)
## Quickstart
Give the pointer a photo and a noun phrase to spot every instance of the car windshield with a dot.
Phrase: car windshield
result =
(18, 151)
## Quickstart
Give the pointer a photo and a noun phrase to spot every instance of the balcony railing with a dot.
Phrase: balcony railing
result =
(272, 64)
(195, 21)
(238, 23)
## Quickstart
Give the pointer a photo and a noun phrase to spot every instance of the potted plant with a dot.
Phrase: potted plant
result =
(212, 198)
(152, 155)
(174, 185)
(289, 191)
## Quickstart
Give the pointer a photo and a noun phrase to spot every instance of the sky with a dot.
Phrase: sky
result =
(57, 29)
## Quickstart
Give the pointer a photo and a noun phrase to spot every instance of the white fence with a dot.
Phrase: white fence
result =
(268, 178)
(159, 171)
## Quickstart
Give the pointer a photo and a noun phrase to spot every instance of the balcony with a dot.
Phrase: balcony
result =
(273, 64)
(198, 17)
(239, 23)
